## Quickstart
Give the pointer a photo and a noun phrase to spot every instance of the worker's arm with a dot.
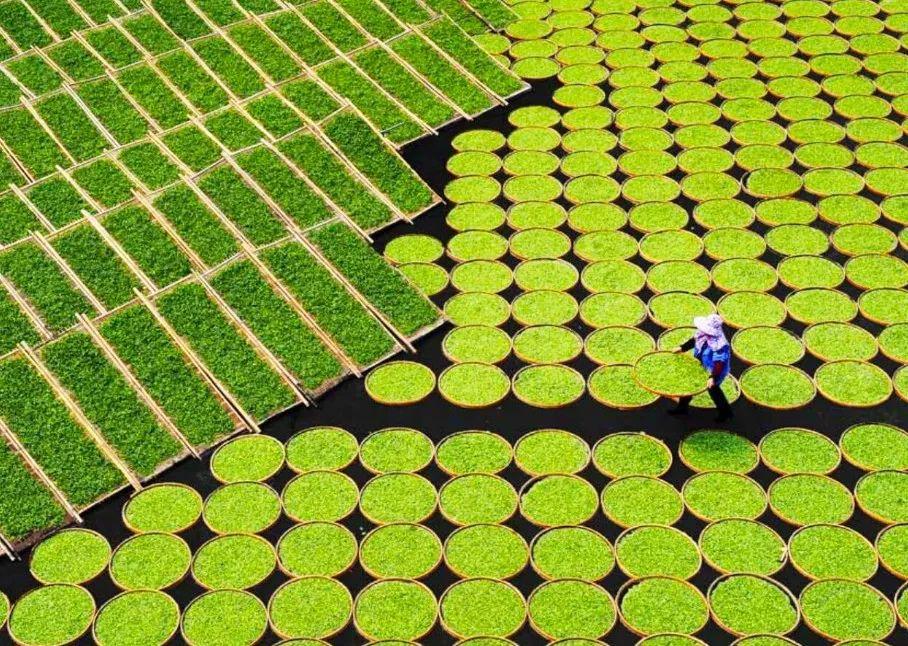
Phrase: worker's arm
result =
(687, 345)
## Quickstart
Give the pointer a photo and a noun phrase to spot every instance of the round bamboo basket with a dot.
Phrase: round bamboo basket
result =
(458, 636)
(541, 631)
(302, 475)
(215, 538)
(736, 633)
(866, 510)
(173, 603)
(876, 544)
(277, 631)
(703, 474)
(523, 399)
(903, 619)
(526, 359)
(643, 309)
(721, 570)
(627, 585)
(283, 568)
(649, 438)
(524, 322)
(610, 404)
(91, 621)
(849, 458)
(463, 575)
(375, 575)
(663, 393)
(135, 530)
(177, 581)
(630, 530)
(696, 469)
(260, 437)
(558, 234)
(631, 329)
(753, 400)
(260, 484)
(409, 402)
(581, 442)
(525, 488)
(353, 457)
(802, 430)
(458, 523)
(791, 521)
(43, 581)
(735, 348)
(831, 638)
(498, 437)
(805, 573)
(377, 433)
(826, 358)
(374, 521)
(624, 525)
(541, 572)
(846, 404)
(461, 404)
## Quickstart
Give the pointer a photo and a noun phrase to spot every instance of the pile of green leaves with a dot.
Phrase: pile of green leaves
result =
(750, 309)
(612, 308)
(551, 451)
(493, 551)
(150, 91)
(539, 243)
(558, 500)
(673, 309)
(579, 609)
(371, 156)
(248, 507)
(883, 494)
(150, 561)
(832, 552)
(744, 274)
(97, 265)
(317, 549)
(163, 370)
(396, 449)
(477, 343)
(748, 605)
(400, 382)
(477, 245)
(547, 344)
(661, 605)
(742, 546)
(716, 495)
(319, 495)
(544, 307)
(711, 450)
(777, 386)
(615, 386)
(398, 497)
(478, 498)
(846, 610)
(796, 450)
(71, 556)
(487, 276)
(657, 550)
(605, 245)
(395, 610)
(110, 403)
(413, 248)
(321, 447)
(670, 374)
(765, 344)
(612, 345)
(835, 341)
(875, 447)
(803, 272)
(572, 553)
(249, 458)
(54, 614)
(853, 383)
(546, 273)
(311, 607)
(237, 561)
(231, 358)
(50, 434)
(806, 499)
(548, 386)
(30, 143)
(400, 550)
(473, 385)
(626, 454)
(26, 505)
(359, 335)
(820, 305)
(141, 616)
(482, 607)
(225, 616)
(641, 500)
(44, 285)
(892, 547)
(473, 452)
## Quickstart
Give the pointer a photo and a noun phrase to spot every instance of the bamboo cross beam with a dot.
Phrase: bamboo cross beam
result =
(87, 426)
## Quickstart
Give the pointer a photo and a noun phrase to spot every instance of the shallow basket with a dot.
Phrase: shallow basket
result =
(627, 585)
(553, 638)
(788, 593)
(170, 637)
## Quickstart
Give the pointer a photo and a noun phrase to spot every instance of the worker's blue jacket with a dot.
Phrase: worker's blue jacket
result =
(709, 358)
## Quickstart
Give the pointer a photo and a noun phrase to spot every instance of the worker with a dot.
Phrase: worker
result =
(713, 350)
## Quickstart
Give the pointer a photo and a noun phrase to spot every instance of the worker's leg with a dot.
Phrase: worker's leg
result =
(681, 408)
(722, 406)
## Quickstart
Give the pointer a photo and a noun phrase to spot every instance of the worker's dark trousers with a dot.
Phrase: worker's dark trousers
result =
(718, 398)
